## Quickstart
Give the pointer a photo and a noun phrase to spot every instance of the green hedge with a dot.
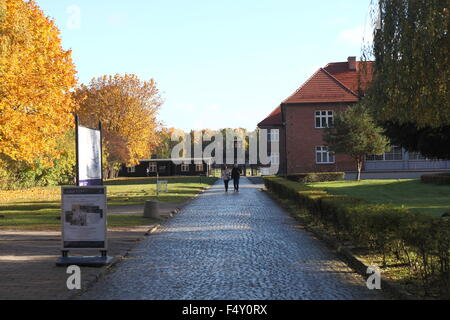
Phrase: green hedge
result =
(316, 177)
(420, 241)
(443, 178)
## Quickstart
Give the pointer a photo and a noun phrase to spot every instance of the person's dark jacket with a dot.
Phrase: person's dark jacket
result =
(235, 173)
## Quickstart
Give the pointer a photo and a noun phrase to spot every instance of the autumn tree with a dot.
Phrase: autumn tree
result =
(355, 133)
(127, 108)
(164, 148)
(409, 94)
(36, 77)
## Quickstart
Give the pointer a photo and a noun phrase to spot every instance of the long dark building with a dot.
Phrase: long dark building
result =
(166, 167)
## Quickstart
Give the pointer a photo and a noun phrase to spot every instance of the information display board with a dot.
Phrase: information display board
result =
(83, 218)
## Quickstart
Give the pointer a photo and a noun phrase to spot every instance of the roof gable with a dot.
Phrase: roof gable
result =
(274, 119)
(322, 87)
(335, 83)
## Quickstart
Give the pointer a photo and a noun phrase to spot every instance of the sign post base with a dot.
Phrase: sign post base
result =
(94, 262)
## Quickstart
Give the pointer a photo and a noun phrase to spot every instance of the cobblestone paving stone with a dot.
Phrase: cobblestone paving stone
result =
(232, 246)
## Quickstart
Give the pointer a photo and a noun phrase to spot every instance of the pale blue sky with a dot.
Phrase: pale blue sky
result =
(217, 63)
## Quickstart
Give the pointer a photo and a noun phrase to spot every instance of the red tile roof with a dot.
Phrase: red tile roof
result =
(333, 83)
(322, 87)
(274, 119)
(354, 80)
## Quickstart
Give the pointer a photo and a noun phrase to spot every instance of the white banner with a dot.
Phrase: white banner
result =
(89, 157)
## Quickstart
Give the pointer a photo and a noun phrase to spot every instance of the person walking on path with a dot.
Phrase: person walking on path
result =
(226, 176)
(236, 176)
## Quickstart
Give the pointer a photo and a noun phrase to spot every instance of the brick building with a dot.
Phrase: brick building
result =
(302, 117)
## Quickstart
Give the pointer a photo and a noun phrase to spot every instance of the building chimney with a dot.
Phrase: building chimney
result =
(351, 63)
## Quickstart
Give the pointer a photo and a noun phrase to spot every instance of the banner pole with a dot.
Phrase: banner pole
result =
(101, 150)
(103, 253)
(77, 151)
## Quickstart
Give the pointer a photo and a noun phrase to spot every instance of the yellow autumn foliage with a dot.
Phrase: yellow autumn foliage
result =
(127, 108)
(36, 77)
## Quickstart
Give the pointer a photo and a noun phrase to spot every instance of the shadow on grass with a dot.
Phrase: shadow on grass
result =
(31, 206)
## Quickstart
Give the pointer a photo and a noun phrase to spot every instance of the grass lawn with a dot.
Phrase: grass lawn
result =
(38, 208)
(409, 194)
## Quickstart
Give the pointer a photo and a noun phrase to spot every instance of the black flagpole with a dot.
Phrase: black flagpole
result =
(77, 151)
(101, 149)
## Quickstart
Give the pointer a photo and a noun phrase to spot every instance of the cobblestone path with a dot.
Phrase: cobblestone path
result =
(232, 246)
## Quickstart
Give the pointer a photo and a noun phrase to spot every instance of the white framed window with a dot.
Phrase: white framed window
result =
(275, 158)
(324, 119)
(375, 158)
(184, 167)
(273, 135)
(152, 167)
(199, 167)
(417, 156)
(395, 154)
(323, 156)
(131, 169)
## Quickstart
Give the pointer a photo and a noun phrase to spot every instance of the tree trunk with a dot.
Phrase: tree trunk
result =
(110, 172)
(359, 168)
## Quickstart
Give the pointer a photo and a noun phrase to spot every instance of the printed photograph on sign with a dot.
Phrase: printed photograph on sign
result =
(84, 215)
